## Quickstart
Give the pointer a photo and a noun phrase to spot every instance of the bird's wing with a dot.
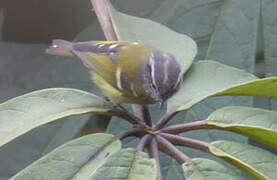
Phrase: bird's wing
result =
(98, 56)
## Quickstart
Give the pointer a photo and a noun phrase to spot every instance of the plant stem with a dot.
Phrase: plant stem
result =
(154, 151)
(165, 119)
(123, 113)
(104, 18)
(176, 129)
(132, 131)
(142, 112)
(170, 149)
(184, 141)
(144, 142)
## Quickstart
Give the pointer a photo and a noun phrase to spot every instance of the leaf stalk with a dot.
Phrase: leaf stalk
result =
(170, 149)
(180, 128)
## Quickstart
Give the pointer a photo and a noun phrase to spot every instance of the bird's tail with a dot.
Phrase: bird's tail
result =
(60, 47)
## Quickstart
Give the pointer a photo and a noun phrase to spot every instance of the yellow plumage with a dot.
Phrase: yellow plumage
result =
(118, 78)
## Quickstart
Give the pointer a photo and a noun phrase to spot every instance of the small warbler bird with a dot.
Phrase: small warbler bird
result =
(126, 72)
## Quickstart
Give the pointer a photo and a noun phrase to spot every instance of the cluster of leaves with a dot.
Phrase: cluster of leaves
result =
(101, 156)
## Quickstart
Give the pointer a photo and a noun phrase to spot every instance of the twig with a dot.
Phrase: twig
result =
(104, 18)
(176, 129)
(142, 112)
(184, 141)
(165, 119)
(154, 151)
(170, 149)
(133, 131)
(123, 113)
(144, 142)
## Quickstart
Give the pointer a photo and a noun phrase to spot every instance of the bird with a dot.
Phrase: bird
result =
(126, 72)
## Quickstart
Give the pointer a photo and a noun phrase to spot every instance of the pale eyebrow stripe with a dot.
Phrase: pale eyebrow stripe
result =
(118, 78)
(178, 80)
(152, 65)
(166, 71)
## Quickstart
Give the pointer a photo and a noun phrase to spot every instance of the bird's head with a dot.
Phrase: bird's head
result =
(162, 75)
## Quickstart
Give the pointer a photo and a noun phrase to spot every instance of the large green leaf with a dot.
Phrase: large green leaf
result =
(23, 69)
(131, 28)
(128, 164)
(23, 113)
(268, 42)
(77, 159)
(206, 169)
(204, 79)
(268, 22)
(258, 124)
(208, 78)
(258, 163)
(262, 87)
(67, 131)
(225, 31)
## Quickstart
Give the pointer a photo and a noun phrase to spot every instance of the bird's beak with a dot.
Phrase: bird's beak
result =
(161, 104)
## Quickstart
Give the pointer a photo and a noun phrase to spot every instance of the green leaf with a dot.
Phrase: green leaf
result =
(258, 163)
(206, 169)
(131, 28)
(77, 159)
(67, 131)
(23, 113)
(128, 164)
(268, 23)
(258, 124)
(268, 42)
(266, 87)
(204, 79)
(23, 69)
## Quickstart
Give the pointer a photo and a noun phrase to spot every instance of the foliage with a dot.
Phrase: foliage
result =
(101, 156)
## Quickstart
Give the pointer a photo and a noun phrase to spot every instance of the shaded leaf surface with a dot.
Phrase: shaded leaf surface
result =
(269, 25)
(268, 35)
(204, 79)
(225, 31)
(77, 159)
(209, 78)
(25, 68)
(266, 87)
(258, 163)
(259, 124)
(21, 114)
(127, 164)
(206, 169)
(131, 28)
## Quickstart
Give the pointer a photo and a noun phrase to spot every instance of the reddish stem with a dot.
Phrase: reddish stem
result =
(176, 129)
(154, 151)
(144, 142)
(170, 149)
(184, 141)
(130, 132)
